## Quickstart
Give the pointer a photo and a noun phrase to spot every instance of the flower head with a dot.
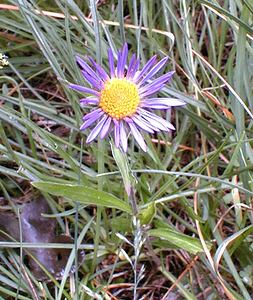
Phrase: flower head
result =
(124, 97)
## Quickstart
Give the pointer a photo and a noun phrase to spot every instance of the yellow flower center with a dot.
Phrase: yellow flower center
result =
(119, 98)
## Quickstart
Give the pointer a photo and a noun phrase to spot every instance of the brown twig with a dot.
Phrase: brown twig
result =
(90, 20)
(189, 266)
(161, 142)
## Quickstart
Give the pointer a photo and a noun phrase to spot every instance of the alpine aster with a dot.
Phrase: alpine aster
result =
(124, 98)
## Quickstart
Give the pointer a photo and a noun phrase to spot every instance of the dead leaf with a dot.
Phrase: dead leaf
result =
(38, 229)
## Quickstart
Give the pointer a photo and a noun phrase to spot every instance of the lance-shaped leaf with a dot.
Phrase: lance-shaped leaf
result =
(83, 194)
(178, 239)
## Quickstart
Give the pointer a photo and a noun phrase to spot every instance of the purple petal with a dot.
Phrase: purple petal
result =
(154, 70)
(165, 123)
(94, 82)
(116, 132)
(157, 82)
(111, 62)
(118, 64)
(83, 89)
(156, 121)
(122, 58)
(105, 128)
(91, 101)
(100, 70)
(151, 119)
(90, 121)
(170, 101)
(93, 113)
(152, 90)
(123, 137)
(87, 68)
(147, 122)
(146, 67)
(141, 123)
(164, 103)
(138, 137)
(133, 67)
(155, 106)
(131, 63)
(95, 132)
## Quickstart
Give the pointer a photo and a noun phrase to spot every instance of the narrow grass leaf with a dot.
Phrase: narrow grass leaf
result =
(223, 246)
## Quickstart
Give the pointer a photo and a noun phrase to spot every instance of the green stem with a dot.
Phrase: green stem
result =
(99, 209)
(133, 202)
(97, 35)
(138, 234)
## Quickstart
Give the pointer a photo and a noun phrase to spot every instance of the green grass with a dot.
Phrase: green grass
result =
(193, 186)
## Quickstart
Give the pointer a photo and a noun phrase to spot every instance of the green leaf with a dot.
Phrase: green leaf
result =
(83, 194)
(178, 239)
(147, 214)
(224, 12)
(121, 224)
(122, 163)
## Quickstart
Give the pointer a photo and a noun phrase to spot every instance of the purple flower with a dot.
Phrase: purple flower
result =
(123, 99)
